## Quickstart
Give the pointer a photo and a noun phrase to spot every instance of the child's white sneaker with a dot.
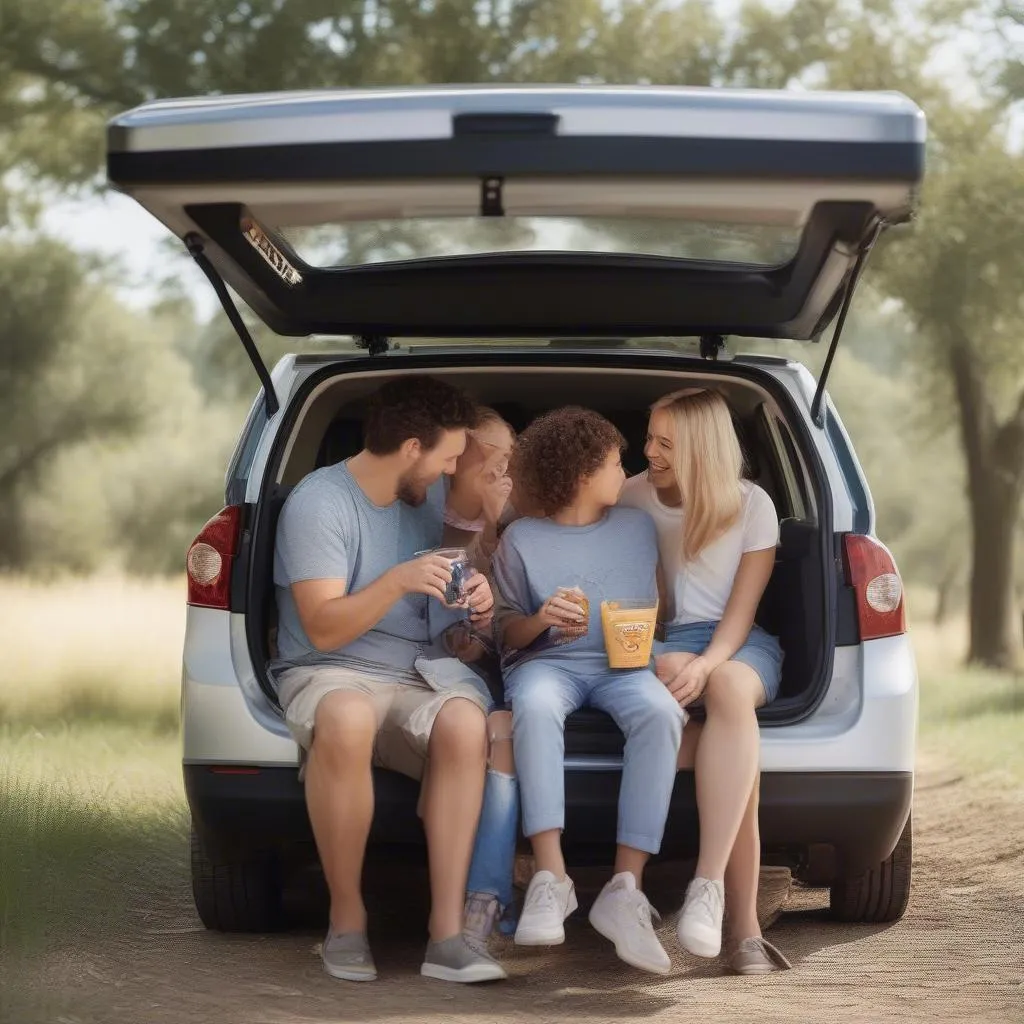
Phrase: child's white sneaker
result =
(548, 903)
(699, 928)
(622, 914)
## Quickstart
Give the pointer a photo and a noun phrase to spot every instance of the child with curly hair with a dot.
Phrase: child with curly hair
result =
(554, 661)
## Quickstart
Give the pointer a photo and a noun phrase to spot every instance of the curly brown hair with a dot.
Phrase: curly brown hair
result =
(415, 407)
(557, 452)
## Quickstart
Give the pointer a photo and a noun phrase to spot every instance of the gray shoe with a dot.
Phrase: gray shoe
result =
(758, 956)
(347, 956)
(455, 959)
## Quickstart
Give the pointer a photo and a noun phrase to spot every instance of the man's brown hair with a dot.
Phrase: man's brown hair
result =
(415, 407)
(558, 451)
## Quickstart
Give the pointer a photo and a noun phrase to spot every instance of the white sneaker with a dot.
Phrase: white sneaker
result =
(700, 922)
(548, 903)
(622, 914)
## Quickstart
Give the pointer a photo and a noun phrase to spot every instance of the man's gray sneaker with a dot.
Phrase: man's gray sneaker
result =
(347, 956)
(455, 959)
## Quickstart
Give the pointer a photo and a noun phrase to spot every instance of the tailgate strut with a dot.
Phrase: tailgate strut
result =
(817, 415)
(194, 244)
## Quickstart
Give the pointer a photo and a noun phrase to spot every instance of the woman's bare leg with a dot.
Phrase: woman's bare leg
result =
(743, 873)
(726, 763)
(743, 869)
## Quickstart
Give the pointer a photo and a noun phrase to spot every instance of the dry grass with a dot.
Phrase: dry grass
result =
(939, 648)
(105, 648)
(90, 776)
(970, 718)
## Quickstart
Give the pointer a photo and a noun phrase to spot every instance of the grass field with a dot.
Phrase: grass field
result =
(90, 779)
(971, 718)
(90, 784)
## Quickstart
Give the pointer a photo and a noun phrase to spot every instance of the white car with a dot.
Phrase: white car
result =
(541, 246)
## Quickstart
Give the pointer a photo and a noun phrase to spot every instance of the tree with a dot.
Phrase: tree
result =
(65, 374)
(78, 61)
(131, 500)
(960, 283)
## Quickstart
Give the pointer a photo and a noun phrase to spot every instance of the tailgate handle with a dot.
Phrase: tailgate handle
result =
(504, 124)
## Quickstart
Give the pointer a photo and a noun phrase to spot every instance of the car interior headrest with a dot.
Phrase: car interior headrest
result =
(342, 439)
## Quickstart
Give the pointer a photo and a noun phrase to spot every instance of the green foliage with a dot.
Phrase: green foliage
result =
(959, 281)
(67, 373)
(119, 425)
(137, 500)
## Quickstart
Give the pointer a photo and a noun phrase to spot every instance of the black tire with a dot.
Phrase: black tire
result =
(236, 894)
(880, 894)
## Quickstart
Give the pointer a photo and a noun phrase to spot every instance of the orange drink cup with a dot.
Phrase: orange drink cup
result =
(629, 631)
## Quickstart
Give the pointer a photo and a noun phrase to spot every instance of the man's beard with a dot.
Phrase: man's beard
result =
(412, 488)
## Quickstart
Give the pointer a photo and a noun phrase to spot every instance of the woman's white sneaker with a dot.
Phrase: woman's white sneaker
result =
(622, 914)
(548, 903)
(700, 922)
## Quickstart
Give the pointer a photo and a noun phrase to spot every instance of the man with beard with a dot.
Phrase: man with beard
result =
(359, 610)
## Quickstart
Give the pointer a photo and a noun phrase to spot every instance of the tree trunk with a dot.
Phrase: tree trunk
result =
(995, 473)
(994, 508)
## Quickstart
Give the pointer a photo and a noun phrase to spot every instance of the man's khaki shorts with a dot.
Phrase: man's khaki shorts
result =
(406, 711)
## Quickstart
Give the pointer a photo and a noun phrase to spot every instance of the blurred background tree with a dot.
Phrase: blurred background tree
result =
(99, 463)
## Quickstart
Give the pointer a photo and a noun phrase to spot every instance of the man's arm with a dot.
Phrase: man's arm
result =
(332, 618)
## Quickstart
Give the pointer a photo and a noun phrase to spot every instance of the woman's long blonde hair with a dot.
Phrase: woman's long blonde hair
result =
(708, 464)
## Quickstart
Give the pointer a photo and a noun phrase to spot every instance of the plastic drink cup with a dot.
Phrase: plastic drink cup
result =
(462, 569)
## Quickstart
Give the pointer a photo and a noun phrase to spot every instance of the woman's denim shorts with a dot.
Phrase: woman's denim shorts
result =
(761, 651)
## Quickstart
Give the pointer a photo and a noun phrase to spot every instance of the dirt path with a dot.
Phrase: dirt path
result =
(957, 956)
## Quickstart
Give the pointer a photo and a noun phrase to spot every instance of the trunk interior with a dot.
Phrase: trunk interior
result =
(323, 426)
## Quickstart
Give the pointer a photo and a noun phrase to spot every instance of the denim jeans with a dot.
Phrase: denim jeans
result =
(494, 854)
(544, 692)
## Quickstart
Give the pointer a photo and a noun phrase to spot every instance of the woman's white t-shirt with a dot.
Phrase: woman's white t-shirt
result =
(697, 591)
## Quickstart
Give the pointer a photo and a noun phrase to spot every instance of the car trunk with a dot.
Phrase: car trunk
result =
(582, 215)
(323, 425)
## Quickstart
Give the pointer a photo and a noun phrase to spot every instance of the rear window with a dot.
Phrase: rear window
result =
(385, 241)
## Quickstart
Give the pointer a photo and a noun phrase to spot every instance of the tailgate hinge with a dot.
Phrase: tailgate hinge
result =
(491, 204)
(194, 244)
(817, 411)
(375, 344)
(711, 345)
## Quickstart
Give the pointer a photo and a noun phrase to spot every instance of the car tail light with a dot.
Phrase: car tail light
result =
(209, 560)
(872, 573)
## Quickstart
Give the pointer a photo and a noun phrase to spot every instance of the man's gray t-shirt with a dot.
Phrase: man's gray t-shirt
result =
(615, 558)
(329, 529)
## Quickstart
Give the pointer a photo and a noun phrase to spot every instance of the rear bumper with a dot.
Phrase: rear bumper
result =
(859, 814)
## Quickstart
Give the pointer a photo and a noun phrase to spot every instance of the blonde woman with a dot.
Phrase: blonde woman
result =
(717, 534)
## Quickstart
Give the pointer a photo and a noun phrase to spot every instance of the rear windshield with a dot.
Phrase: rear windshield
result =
(384, 241)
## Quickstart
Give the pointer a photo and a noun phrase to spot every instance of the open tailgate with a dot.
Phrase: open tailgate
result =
(588, 212)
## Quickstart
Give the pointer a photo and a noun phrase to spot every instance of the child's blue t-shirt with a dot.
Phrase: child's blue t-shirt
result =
(613, 559)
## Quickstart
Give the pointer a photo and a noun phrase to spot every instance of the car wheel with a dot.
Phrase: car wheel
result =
(879, 894)
(236, 893)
